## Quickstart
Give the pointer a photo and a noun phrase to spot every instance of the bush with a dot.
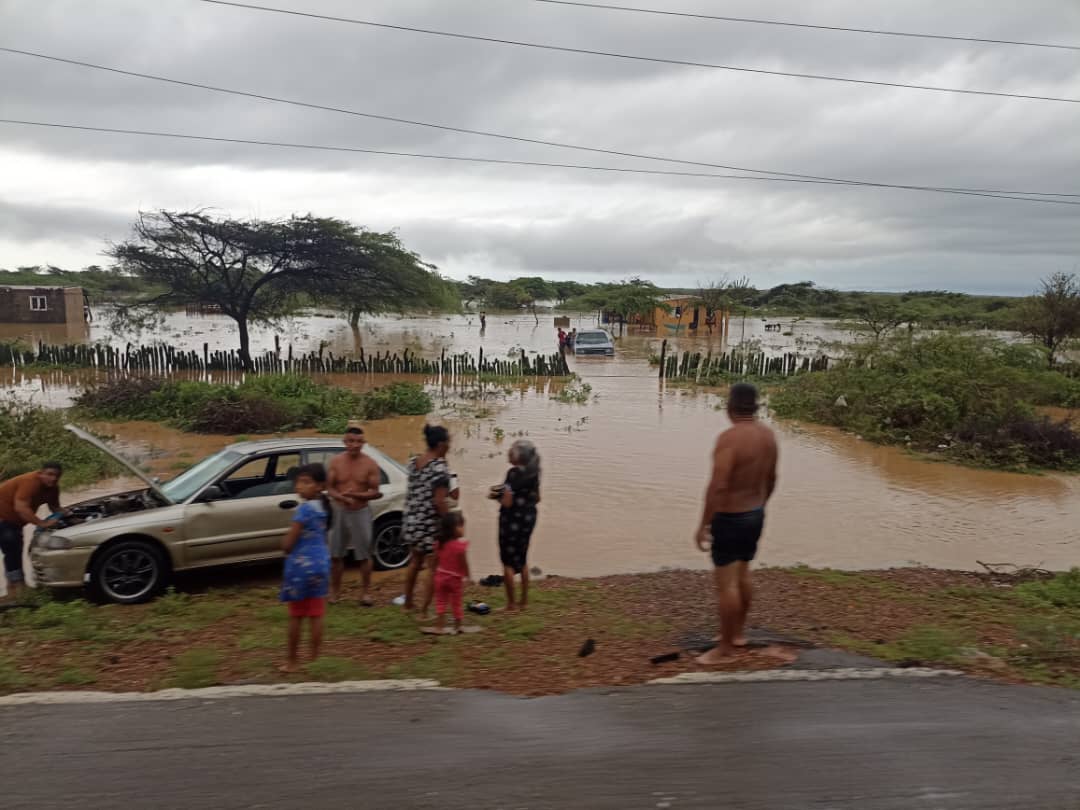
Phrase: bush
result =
(258, 405)
(970, 398)
(30, 436)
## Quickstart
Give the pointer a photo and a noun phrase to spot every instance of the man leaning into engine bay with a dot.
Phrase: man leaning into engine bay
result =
(20, 499)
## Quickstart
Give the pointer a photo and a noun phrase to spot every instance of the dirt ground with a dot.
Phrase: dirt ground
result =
(228, 628)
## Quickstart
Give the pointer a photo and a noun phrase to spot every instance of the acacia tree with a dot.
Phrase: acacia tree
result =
(1052, 317)
(721, 295)
(531, 290)
(257, 271)
(879, 316)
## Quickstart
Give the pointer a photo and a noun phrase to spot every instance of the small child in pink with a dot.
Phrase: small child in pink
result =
(451, 572)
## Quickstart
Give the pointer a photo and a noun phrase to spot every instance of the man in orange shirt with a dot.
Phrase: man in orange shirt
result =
(20, 499)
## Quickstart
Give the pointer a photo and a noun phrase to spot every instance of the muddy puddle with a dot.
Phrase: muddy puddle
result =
(624, 472)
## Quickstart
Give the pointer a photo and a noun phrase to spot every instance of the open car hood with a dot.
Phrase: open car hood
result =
(100, 445)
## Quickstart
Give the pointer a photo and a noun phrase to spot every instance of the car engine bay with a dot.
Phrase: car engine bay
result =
(108, 506)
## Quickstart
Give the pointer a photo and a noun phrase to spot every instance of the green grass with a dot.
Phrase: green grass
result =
(76, 676)
(260, 404)
(195, 669)
(441, 663)
(30, 435)
(11, 679)
(329, 668)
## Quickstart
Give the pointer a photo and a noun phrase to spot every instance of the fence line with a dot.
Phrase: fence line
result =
(163, 359)
(695, 365)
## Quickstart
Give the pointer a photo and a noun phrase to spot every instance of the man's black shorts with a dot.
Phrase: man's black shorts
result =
(735, 536)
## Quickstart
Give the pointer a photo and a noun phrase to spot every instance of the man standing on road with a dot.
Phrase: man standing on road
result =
(352, 482)
(743, 480)
(20, 499)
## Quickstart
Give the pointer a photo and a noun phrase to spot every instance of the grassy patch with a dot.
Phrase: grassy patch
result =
(195, 669)
(259, 404)
(441, 663)
(329, 668)
(30, 435)
(11, 679)
(75, 676)
(962, 398)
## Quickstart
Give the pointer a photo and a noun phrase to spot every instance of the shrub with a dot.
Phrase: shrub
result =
(967, 397)
(30, 435)
(258, 405)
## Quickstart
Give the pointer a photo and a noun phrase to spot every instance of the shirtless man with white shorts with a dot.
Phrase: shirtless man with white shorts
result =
(352, 483)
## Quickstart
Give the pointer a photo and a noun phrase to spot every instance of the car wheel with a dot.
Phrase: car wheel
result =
(128, 572)
(389, 548)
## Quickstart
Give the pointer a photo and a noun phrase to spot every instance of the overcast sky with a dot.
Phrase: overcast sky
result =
(63, 194)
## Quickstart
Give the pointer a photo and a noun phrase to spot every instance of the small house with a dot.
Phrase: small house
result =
(43, 305)
(687, 314)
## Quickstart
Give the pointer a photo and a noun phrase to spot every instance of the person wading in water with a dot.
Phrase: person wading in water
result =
(743, 480)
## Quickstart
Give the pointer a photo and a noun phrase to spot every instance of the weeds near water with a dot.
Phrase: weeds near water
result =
(574, 393)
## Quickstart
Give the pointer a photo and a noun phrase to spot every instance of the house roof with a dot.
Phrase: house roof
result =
(36, 287)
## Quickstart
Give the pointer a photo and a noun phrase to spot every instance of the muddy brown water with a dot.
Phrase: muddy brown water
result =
(623, 474)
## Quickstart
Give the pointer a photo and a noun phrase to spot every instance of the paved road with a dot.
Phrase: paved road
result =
(872, 745)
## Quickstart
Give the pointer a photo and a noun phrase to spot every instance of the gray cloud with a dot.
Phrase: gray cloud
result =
(505, 220)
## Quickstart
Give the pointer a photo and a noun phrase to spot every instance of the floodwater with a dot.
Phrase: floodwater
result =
(624, 473)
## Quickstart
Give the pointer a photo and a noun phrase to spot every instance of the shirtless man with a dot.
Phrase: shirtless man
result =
(352, 482)
(743, 479)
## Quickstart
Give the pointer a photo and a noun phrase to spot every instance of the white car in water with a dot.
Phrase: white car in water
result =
(594, 342)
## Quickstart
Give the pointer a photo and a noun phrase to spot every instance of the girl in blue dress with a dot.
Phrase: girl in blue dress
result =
(307, 562)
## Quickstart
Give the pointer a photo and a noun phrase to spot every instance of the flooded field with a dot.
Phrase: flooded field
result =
(624, 473)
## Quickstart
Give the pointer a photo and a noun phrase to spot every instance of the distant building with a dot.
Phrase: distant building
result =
(44, 305)
(687, 314)
(679, 315)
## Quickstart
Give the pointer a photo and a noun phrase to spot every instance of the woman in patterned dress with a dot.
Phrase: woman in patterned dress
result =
(517, 518)
(426, 501)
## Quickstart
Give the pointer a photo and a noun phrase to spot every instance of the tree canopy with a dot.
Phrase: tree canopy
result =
(1052, 317)
(262, 271)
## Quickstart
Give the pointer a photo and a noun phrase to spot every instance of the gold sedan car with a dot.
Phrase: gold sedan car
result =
(231, 507)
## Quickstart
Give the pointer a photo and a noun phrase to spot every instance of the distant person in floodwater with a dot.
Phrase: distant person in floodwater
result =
(743, 479)
(483, 320)
(562, 338)
(518, 498)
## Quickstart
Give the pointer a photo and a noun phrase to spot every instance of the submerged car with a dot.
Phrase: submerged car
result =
(593, 342)
(232, 507)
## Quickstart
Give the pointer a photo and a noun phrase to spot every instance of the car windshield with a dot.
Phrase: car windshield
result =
(191, 480)
(592, 337)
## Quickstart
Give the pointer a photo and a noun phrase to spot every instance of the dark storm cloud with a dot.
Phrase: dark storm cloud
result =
(58, 223)
(561, 221)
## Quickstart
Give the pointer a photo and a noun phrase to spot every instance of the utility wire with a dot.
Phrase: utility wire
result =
(754, 21)
(497, 161)
(519, 139)
(639, 58)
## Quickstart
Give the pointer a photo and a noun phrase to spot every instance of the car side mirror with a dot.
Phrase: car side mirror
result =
(211, 493)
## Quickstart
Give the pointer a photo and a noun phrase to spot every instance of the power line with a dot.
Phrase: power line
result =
(788, 24)
(638, 58)
(496, 161)
(516, 138)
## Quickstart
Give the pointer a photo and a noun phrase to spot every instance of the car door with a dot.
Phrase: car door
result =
(249, 518)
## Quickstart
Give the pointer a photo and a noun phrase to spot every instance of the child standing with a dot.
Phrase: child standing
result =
(307, 564)
(451, 571)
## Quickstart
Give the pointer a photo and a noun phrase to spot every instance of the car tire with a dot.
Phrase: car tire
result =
(387, 547)
(128, 572)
